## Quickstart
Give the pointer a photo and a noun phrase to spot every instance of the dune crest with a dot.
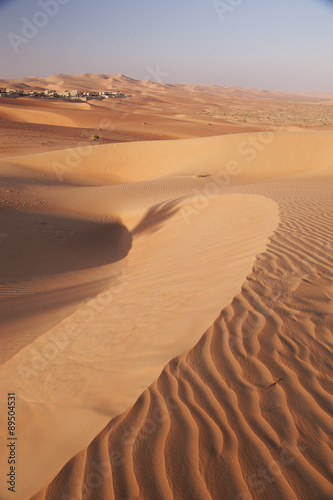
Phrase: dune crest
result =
(124, 353)
(246, 413)
(185, 336)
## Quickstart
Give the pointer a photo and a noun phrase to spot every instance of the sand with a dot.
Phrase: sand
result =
(167, 311)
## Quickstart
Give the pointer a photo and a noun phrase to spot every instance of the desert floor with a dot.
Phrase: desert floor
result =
(167, 293)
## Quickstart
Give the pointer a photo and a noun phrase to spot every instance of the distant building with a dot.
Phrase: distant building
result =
(52, 94)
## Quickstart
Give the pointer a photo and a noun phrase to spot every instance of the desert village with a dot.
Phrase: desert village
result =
(67, 94)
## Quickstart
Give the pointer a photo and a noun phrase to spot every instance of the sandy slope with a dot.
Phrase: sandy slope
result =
(125, 348)
(215, 424)
(160, 110)
(131, 115)
(224, 158)
(150, 255)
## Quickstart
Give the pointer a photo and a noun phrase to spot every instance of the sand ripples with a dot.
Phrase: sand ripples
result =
(247, 412)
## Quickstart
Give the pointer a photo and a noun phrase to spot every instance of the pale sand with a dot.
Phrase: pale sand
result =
(157, 110)
(128, 263)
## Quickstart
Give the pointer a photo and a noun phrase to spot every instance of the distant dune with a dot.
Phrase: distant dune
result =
(155, 110)
(93, 81)
(166, 304)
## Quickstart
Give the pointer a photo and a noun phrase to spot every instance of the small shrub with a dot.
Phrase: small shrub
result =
(95, 136)
(144, 123)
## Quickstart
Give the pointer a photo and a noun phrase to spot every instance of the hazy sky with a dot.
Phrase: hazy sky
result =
(272, 44)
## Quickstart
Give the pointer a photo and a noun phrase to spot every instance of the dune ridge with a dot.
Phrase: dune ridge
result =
(229, 415)
(247, 413)
(237, 155)
(103, 351)
(156, 110)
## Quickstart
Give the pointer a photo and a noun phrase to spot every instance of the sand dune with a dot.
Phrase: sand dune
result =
(136, 115)
(206, 110)
(175, 312)
(163, 229)
(32, 116)
(247, 412)
(224, 158)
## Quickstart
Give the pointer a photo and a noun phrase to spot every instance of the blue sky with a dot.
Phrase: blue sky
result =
(272, 44)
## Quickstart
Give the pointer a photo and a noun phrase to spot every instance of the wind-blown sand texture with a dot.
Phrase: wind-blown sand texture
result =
(167, 318)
